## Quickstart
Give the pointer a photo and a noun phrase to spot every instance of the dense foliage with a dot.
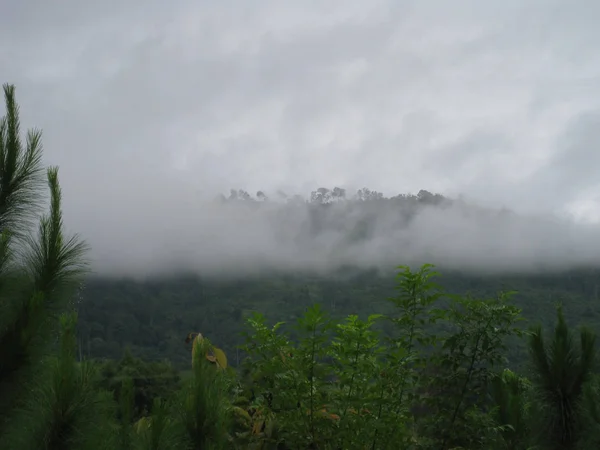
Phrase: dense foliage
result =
(149, 317)
(420, 368)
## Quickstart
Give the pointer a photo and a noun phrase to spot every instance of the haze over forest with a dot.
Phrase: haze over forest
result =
(151, 109)
(242, 233)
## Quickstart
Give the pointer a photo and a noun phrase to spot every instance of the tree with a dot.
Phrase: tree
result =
(365, 194)
(338, 194)
(38, 274)
(320, 196)
(561, 371)
(150, 380)
(239, 194)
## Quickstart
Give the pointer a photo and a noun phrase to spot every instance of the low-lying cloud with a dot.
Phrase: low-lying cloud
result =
(244, 237)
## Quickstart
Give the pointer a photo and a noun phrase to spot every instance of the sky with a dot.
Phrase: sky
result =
(151, 107)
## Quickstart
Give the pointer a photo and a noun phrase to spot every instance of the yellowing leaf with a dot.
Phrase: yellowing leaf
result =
(220, 357)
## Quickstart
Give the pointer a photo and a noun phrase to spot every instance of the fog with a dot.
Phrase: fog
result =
(187, 232)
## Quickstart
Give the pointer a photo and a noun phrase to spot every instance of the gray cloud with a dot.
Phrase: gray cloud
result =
(150, 107)
(248, 237)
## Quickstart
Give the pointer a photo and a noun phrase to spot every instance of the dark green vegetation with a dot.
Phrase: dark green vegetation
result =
(398, 363)
(151, 317)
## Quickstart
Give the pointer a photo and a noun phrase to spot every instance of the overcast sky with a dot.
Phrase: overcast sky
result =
(146, 105)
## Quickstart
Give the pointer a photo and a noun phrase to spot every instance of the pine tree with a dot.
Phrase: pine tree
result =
(561, 370)
(42, 396)
(204, 409)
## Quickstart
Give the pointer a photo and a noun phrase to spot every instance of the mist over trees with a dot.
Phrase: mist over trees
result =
(331, 228)
(325, 196)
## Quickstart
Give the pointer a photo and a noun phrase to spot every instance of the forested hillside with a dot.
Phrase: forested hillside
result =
(153, 317)
(279, 254)
(392, 360)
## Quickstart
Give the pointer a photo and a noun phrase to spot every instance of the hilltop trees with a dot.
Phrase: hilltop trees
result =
(326, 196)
